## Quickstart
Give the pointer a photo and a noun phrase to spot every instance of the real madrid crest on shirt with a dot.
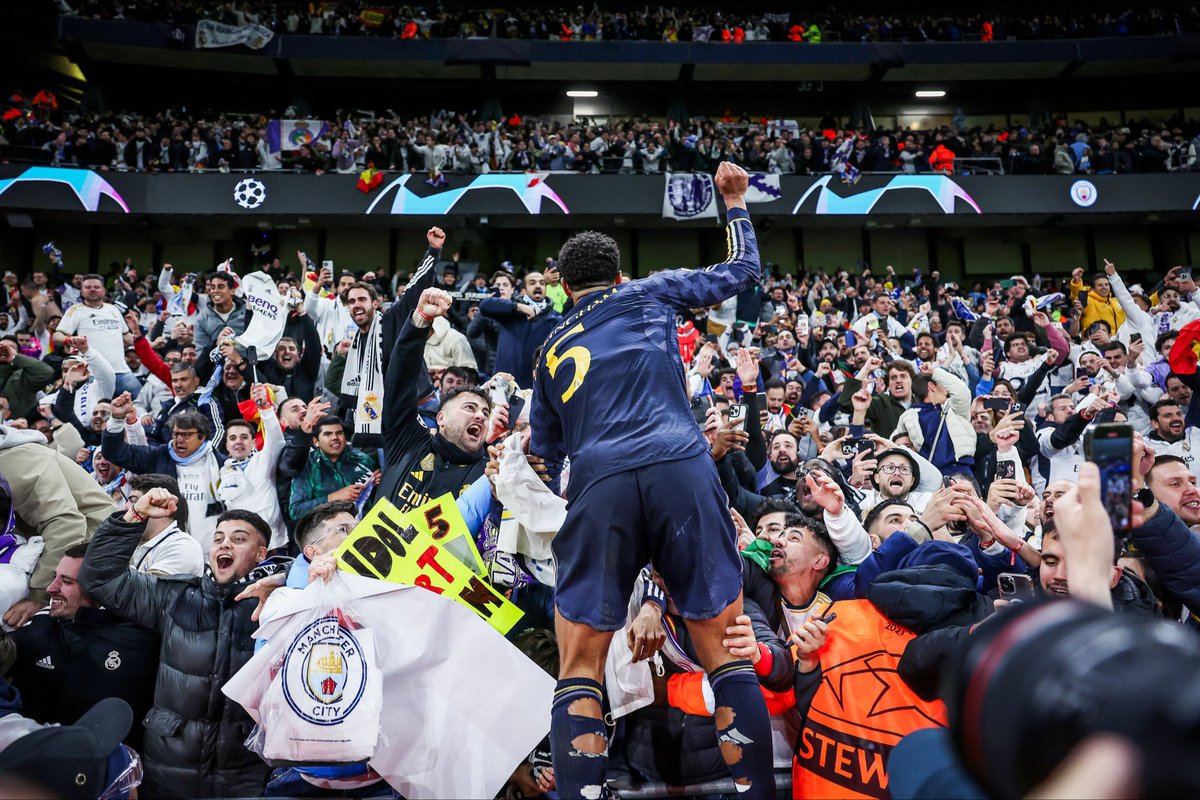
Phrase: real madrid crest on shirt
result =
(113, 662)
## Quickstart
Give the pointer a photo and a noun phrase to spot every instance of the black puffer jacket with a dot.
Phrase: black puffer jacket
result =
(194, 735)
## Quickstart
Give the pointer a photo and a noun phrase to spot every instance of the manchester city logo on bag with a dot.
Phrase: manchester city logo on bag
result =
(324, 672)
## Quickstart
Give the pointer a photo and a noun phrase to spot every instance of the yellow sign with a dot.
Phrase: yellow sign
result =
(411, 548)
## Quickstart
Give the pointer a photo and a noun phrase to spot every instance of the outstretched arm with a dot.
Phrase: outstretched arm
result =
(685, 289)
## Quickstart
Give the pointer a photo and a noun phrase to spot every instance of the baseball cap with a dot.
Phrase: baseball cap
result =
(73, 761)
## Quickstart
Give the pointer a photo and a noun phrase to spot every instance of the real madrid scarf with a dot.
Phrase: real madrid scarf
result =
(363, 378)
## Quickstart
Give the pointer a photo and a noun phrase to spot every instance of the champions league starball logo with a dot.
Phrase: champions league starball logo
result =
(324, 673)
(689, 195)
(250, 193)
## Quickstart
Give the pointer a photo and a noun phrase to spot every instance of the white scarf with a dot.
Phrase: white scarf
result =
(363, 378)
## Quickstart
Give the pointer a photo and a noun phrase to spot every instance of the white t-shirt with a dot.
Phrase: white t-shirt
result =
(171, 552)
(104, 328)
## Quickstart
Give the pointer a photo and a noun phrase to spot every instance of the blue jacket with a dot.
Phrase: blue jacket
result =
(519, 335)
(1173, 552)
(621, 343)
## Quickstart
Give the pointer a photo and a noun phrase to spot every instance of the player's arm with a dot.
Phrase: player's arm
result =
(545, 431)
(712, 285)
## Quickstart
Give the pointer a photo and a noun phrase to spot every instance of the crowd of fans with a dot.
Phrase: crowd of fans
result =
(457, 142)
(668, 24)
(905, 440)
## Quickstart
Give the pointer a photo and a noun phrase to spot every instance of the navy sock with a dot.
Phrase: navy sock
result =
(578, 738)
(743, 728)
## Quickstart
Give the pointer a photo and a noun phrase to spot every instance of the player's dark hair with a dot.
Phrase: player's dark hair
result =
(240, 423)
(1163, 338)
(588, 260)
(230, 281)
(775, 505)
(459, 372)
(1114, 344)
(774, 383)
(902, 366)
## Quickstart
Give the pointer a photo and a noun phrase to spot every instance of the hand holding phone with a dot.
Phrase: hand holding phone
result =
(737, 416)
(1110, 448)
(1015, 587)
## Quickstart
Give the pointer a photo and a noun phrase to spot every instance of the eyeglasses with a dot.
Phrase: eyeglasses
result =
(898, 469)
(130, 777)
(341, 530)
(184, 434)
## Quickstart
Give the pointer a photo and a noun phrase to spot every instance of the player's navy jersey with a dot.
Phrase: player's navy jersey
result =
(609, 388)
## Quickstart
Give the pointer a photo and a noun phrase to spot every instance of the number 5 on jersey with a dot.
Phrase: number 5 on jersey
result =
(581, 357)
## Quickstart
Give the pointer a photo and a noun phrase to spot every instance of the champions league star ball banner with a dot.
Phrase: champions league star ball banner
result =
(678, 197)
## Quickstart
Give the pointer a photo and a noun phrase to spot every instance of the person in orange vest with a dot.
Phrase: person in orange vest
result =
(850, 687)
(739, 34)
(796, 33)
(410, 31)
(942, 160)
(986, 34)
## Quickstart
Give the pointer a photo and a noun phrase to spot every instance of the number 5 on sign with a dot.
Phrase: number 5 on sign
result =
(387, 545)
(443, 521)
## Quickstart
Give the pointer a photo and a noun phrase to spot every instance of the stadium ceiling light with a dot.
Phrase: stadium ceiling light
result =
(582, 93)
(930, 93)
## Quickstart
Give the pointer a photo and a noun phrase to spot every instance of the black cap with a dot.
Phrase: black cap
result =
(71, 761)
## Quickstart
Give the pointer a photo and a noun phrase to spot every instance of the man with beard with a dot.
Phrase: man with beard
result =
(896, 475)
(355, 374)
(524, 325)
(1170, 437)
(418, 466)
(295, 372)
(782, 454)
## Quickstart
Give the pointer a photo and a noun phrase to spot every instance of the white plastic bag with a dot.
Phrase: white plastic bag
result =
(323, 702)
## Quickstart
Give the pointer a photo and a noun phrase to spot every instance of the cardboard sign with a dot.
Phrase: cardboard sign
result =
(412, 549)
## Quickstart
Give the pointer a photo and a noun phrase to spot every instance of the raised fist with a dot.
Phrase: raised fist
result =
(433, 303)
(732, 180)
(436, 237)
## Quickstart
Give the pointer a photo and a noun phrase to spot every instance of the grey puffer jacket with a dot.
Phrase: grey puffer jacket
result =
(194, 735)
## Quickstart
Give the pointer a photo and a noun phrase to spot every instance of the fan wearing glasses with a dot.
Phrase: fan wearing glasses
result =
(898, 474)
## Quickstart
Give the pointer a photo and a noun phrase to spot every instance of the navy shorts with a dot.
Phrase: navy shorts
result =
(673, 515)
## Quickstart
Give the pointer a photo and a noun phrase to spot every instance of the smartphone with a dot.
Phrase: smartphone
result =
(1083, 297)
(1110, 448)
(1081, 372)
(996, 403)
(864, 446)
(737, 414)
(327, 265)
(1185, 274)
(848, 448)
(1135, 337)
(851, 339)
(1014, 586)
(514, 411)
(1006, 471)
(500, 391)
(700, 407)
(802, 328)
(1016, 408)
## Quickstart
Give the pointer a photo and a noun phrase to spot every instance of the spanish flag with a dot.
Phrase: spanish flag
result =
(249, 411)
(1185, 351)
(373, 17)
(369, 179)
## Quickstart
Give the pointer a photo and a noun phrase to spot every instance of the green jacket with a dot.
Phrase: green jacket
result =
(322, 477)
(883, 414)
(21, 380)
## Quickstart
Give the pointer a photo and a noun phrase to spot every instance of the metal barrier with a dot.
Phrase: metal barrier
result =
(783, 788)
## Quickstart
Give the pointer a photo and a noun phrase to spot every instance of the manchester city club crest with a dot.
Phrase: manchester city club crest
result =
(324, 672)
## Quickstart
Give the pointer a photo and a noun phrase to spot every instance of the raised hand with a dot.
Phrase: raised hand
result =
(432, 304)
(157, 503)
(825, 492)
(436, 237)
(732, 181)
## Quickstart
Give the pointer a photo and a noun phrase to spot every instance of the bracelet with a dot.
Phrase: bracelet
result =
(427, 318)
(136, 516)
(985, 545)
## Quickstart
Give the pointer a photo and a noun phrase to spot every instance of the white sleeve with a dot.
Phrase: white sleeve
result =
(1047, 449)
(69, 322)
(135, 434)
(960, 395)
(102, 371)
(849, 536)
(164, 284)
(1133, 313)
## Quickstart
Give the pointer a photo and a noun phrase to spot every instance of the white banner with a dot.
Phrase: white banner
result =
(452, 727)
(689, 195)
(268, 314)
(763, 188)
(210, 33)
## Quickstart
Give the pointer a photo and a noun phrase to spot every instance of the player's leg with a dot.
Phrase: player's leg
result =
(598, 551)
(695, 550)
(578, 737)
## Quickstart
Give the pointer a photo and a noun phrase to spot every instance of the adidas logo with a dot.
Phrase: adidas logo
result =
(45, 663)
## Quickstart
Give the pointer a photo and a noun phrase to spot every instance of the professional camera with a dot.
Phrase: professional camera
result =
(1039, 679)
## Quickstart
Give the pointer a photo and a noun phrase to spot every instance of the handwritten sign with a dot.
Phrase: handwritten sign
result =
(411, 548)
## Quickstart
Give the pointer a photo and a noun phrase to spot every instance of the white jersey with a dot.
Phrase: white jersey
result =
(104, 328)
(1064, 464)
(1187, 448)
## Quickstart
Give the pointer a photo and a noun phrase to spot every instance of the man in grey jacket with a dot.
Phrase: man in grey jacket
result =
(194, 735)
(224, 310)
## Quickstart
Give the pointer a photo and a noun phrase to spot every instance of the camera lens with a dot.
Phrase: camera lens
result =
(1007, 584)
(1036, 680)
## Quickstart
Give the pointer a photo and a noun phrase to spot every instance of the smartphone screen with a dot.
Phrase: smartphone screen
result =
(1110, 447)
(1135, 337)
(737, 414)
(1006, 471)
(1014, 586)
(996, 403)
(1083, 297)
